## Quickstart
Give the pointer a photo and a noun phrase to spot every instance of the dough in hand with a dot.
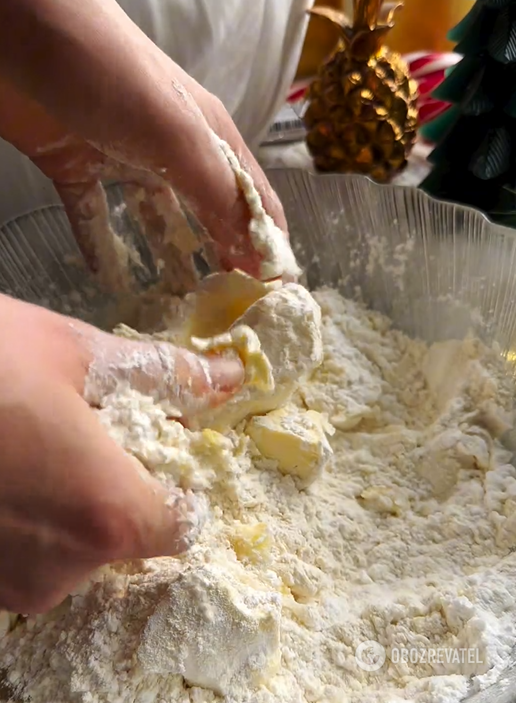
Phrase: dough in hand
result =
(274, 329)
(279, 335)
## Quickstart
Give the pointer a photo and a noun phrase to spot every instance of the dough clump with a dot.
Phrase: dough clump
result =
(279, 340)
(211, 627)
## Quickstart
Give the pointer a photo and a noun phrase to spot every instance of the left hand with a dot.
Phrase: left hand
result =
(70, 498)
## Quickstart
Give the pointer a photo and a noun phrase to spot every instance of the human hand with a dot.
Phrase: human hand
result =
(71, 499)
(118, 108)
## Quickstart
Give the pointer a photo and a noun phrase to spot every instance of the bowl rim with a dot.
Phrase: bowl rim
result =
(421, 194)
(307, 174)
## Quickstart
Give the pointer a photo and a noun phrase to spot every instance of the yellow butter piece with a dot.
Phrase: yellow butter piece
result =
(221, 299)
(244, 341)
(213, 439)
(295, 439)
(252, 542)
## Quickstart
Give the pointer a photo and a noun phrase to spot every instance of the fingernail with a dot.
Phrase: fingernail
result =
(226, 374)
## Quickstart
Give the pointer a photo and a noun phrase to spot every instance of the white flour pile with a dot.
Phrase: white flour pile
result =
(402, 537)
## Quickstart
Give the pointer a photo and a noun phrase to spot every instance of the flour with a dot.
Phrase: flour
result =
(213, 629)
(405, 539)
(268, 240)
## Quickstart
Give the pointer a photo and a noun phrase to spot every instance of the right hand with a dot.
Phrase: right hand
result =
(71, 499)
(106, 103)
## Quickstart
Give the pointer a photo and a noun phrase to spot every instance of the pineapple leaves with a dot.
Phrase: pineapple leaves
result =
(365, 44)
(366, 13)
(369, 15)
(334, 16)
(388, 12)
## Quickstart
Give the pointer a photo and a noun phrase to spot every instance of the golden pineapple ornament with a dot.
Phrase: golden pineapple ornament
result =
(362, 114)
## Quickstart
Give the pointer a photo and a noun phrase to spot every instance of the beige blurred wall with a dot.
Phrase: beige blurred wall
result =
(423, 24)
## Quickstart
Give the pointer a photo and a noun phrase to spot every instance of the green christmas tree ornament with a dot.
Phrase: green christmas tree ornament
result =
(460, 30)
(474, 161)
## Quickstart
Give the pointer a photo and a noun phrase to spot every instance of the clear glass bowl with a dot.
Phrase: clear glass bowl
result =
(438, 270)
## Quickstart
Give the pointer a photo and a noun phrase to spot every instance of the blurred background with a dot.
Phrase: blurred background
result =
(422, 25)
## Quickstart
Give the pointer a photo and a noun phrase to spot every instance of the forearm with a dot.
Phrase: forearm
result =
(96, 72)
(67, 55)
(96, 75)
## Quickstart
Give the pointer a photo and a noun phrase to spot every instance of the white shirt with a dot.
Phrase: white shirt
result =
(244, 51)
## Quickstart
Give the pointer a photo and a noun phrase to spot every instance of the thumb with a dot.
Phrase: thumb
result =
(172, 519)
(183, 382)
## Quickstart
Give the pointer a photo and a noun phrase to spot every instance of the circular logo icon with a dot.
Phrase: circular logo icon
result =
(370, 655)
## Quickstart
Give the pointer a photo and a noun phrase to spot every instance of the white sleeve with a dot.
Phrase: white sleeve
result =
(244, 51)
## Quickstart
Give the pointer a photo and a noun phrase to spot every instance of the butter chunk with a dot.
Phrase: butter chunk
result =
(216, 627)
(221, 299)
(244, 341)
(280, 343)
(295, 439)
(251, 542)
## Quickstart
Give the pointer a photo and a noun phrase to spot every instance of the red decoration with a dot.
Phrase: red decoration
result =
(429, 70)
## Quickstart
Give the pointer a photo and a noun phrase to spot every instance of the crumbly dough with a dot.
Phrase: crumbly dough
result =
(404, 538)
(270, 242)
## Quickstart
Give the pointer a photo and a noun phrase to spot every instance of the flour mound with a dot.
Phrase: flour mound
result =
(213, 628)
(405, 539)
